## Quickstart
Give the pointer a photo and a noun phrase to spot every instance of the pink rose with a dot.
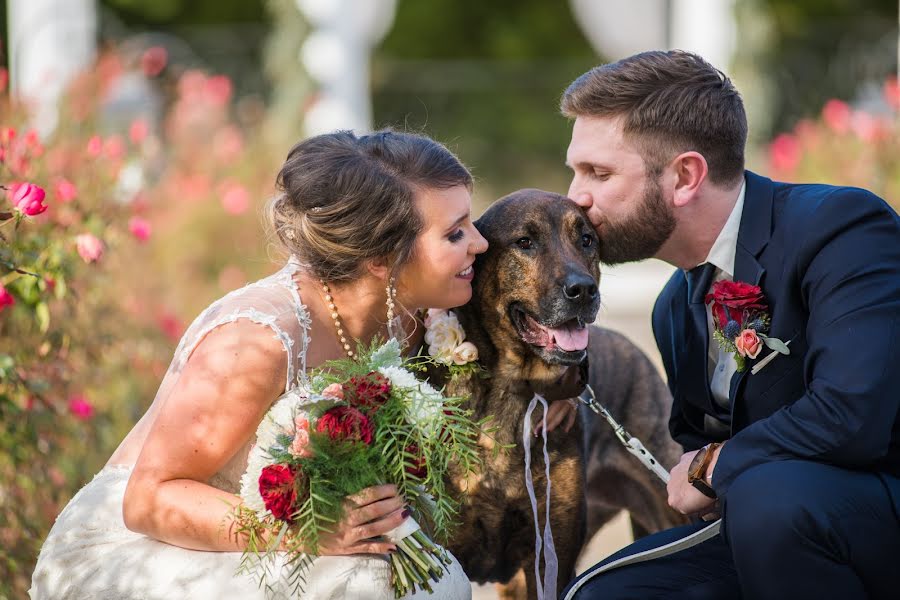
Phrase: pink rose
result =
(65, 190)
(335, 390)
(236, 199)
(140, 228)
(748, 343)
(89, 247)
(154, 60)
(28, 199)
(6, 299)
(138, 131)
(95, 146)
(81, 408)
(300, 445)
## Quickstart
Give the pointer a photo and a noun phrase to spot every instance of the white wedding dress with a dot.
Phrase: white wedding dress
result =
(89, 553)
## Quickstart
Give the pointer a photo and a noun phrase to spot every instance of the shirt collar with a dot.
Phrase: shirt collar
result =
(723, 249)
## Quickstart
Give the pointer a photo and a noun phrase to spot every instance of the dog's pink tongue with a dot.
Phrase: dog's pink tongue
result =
(571, 338)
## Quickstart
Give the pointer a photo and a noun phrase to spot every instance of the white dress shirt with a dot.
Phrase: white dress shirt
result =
(722, 365)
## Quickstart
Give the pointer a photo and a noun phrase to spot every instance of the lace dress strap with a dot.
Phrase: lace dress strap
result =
(273, 302)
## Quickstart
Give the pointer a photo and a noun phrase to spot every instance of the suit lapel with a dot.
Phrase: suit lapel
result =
(753, 236)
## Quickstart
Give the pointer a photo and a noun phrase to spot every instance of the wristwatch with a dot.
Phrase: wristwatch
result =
(698, 467)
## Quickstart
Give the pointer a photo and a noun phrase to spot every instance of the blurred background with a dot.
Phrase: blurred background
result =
(156, 128)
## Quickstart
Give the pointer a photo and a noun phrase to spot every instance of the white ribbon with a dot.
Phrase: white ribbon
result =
(403, 530)
(551, 565)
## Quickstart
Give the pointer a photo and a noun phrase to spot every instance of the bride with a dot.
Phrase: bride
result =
(361, 217)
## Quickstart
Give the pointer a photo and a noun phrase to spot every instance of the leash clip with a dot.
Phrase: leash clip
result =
(631, 443)
(589, 399)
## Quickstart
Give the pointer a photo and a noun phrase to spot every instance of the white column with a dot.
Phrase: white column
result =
(49, 42)
(620, 28)
(336, 55)
(706, 27)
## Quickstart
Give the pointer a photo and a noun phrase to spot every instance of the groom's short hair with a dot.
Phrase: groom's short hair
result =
(671, 102)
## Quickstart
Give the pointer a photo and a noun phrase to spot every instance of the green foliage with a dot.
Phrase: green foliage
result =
(821, 49)
(484, 77)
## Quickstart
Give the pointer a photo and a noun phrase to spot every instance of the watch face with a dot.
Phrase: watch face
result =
(696, 466)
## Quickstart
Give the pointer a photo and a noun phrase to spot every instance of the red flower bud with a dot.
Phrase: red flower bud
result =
(345, 423)
(368, 392)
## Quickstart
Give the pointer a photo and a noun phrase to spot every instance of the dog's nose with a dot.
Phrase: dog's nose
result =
(578, 286)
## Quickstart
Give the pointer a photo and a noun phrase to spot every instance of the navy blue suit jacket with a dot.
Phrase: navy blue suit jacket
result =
(828, 261)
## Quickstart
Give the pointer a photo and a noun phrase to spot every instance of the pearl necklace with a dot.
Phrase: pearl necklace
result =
(329, 299)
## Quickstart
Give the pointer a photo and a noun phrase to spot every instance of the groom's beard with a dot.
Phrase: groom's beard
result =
(641, 235)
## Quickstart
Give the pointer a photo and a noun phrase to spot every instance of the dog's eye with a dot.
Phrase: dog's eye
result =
(525, 243)
(587, 240)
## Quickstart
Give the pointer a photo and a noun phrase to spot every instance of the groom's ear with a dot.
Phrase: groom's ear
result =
(690, 171)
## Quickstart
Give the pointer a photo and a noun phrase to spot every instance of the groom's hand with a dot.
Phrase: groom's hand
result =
(684, 497)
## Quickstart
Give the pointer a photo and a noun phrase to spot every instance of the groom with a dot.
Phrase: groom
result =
(800, 452)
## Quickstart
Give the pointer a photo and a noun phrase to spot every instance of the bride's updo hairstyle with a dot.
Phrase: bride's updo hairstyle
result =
(346, 199)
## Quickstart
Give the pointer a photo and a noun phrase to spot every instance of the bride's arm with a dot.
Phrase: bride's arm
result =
(228, 384)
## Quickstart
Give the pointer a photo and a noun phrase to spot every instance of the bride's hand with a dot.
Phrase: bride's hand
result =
(368, 514)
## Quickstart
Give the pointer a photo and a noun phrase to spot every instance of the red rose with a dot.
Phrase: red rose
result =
(345, 423)
(278, 488)
(368, 392)
(731, 300)
(418, 468)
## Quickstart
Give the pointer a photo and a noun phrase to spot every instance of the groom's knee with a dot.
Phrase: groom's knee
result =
(771, 508)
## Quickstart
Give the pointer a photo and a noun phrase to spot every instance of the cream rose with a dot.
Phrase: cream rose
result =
(443, 337)
(465, 353)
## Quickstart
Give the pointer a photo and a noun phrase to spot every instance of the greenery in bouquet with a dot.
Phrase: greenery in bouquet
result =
(366, 421)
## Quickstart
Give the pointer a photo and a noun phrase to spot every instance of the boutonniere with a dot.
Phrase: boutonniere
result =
(741, 321)
(447, 345)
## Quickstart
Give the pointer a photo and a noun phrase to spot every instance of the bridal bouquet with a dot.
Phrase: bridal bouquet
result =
(365, 422)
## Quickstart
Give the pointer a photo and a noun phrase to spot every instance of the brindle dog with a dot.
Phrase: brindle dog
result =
(534, 293)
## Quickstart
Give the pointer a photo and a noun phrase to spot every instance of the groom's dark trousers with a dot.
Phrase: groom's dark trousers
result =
(834, 531)
(809, 477)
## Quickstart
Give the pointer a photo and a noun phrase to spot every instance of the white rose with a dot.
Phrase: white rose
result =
(465, 353)
(434, 314)
(443, 337)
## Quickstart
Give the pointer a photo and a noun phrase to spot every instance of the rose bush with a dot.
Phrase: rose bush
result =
(846, 146)
(113, 234)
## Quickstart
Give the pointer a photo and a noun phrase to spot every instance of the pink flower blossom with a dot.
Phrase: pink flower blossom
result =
(138, 131)
(95, 146)
(748, 343)
(236, 199)
(300, 443)
(892, 92)
(228, 144)
(6, 299)
(28, 199)
(334, 390)
(154, 60)
(170, 325)
(866, 126)
(65, 190)
(140, 228)
(81, 408)
(89, 247)
(217, 90)
(784, 153)
(836, 114)
(114, 147)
